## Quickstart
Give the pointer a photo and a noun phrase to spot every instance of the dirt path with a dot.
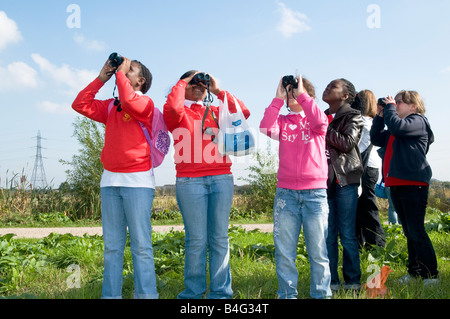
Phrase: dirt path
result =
(80, 231)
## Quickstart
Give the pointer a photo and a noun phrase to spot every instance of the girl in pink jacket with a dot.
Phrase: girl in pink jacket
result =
(301, 197)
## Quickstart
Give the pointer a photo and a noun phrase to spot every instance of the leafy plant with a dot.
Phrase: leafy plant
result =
(441, 223)
(263, 181)
(87, 168)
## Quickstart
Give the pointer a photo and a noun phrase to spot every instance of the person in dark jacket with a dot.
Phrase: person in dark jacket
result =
(344, 175)
(407, 172)
(369, 229)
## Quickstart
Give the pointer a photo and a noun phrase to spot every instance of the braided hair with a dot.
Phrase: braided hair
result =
(147, 75)
(350, 89)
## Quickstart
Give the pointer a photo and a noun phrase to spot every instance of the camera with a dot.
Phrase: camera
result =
(115, 59)
(381, 102)
(201, 78)
(290, 80)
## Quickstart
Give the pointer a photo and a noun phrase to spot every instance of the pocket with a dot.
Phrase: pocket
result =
(183, 180)
(223, 177)
(319, 193)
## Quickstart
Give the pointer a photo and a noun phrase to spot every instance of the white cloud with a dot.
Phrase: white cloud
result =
(71, 79)
(90, 45)
(18, 75)
(446, 70)
(9, 32)
(291, 22)
(51, 107)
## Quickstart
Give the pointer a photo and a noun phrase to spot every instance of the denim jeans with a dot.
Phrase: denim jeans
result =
(341, 221)
(411, 203)
(292, 209)
(130, 207)
(205, 204)
(392, 214)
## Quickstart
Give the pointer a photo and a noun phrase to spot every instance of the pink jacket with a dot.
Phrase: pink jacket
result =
(303, 163)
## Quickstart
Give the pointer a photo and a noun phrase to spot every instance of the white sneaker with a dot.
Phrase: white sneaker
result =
(335, 287)
(352, 286)
(405, 279)
(430, 281)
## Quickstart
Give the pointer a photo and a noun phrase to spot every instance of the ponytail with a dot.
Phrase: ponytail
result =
(147, 75)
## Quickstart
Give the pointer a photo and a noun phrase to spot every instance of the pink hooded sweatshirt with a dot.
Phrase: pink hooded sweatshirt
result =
(303, 163)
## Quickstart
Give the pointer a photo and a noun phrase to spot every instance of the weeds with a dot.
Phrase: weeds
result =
(38, 268)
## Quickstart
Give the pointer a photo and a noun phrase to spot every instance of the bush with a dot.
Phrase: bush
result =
(263, 181)
(87, 168)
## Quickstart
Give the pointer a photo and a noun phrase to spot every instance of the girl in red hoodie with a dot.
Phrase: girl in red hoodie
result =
(204, 185)
(128, 183)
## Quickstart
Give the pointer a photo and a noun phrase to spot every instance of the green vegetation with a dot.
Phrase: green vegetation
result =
(66, 266)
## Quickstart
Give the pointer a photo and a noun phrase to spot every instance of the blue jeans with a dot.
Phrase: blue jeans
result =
(130, 207)
(292, 209)
(341, 221)
(392, 214)
(205, 204)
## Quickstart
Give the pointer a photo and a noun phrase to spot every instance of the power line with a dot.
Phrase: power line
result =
(38, 179)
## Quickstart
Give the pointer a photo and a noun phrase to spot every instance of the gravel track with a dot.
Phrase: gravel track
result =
(80, 231)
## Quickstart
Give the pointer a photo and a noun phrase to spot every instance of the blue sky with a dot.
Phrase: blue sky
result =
(50, 50)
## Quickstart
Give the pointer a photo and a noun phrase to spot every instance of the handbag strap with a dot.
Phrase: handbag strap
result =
(208, 106)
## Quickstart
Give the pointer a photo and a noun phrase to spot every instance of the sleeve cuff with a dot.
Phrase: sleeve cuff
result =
(303, 97)
(277, 103)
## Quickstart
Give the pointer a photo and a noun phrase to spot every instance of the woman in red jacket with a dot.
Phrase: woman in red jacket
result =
(128, 183)
(204, 185)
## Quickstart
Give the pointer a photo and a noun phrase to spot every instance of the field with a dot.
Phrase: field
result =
(65, 266)
(69, 267)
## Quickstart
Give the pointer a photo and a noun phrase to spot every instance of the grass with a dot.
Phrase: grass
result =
(40, 268)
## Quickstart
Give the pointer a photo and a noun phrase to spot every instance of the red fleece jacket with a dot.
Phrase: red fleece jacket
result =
(126, 150)
(195, 154)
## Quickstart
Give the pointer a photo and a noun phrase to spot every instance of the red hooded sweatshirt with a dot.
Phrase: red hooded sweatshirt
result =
(195, 153)
(126, 149)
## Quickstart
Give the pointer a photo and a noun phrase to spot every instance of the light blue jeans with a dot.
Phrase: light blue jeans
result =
(130, 207)
(392, 214)
(292, 209)
(205, 204)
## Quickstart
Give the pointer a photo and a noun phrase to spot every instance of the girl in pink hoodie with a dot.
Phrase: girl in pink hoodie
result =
(301, 197)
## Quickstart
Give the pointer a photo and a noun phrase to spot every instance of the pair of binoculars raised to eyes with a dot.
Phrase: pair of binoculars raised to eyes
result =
(290, 80)
(201, 78)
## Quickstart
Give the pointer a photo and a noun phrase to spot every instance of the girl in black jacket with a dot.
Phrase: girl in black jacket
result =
(407, 172)
(344, 175)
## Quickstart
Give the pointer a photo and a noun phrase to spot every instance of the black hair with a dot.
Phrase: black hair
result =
(147, 75)
(360, 104)
(187, 74)
(350, 89)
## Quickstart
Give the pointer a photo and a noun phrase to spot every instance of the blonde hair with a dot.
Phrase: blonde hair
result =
(369, 101)
(414, 98)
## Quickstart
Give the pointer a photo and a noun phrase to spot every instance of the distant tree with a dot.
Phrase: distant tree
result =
(86, 167)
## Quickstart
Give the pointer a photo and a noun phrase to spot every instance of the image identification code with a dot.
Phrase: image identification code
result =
(246, 308)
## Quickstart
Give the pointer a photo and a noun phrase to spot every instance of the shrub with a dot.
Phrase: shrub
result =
(263, 181)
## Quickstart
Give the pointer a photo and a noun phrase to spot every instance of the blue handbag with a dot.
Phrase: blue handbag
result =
(380, 190)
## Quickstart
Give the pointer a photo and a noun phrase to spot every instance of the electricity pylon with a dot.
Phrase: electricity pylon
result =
(38, 179)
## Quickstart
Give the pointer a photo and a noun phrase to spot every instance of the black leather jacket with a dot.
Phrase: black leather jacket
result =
(342, 140)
